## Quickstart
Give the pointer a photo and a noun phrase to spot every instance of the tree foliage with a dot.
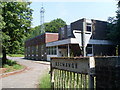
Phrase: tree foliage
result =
(16, 24)
(52, 26)
(114, 26)
(118, 24)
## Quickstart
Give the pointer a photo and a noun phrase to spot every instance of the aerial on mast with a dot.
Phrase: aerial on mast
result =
(42, 10)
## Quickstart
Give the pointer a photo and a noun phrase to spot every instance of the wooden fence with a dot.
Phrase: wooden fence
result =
(88, 72)
(73, 73)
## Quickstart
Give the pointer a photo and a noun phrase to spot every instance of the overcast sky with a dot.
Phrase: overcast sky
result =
(72, 11)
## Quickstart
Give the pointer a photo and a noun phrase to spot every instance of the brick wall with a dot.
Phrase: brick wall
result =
(101, 50)
(50, 37)
(40, 42)
(100, 31)
(77, 25)
(107, 72)
(40, 39)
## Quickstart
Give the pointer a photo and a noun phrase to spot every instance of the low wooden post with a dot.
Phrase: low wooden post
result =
(91, 82)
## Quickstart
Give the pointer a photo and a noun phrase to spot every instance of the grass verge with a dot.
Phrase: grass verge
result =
(12, 66)
(0, 56)
(45, 81)
(16, 55)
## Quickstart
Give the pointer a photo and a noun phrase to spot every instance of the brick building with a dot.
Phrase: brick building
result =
(82, 36)
(35, 48)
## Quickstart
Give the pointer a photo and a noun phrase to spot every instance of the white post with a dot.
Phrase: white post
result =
(91, 72)
(68, 50)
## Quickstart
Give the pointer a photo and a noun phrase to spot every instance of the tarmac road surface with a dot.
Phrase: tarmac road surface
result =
(28, 78)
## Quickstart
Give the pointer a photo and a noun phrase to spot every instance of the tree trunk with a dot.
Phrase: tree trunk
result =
(4, 58)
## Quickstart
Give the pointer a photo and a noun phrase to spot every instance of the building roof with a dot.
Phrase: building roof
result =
(74, 41)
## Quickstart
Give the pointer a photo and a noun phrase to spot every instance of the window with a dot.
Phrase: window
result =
(55, 51)
(26, 51)
(37, 50)
(51, 50)
(32, 50)
(42, 49)
(29, 49)
(68, 30)
(89, 49)
(48, 50)
(89, 27)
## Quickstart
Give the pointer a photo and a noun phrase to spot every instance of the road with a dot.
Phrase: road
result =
(28, 78)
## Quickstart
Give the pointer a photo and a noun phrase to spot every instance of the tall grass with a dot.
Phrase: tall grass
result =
(45, 82)
(0, 56)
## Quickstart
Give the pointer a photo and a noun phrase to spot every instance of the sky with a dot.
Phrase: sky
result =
(71, 11)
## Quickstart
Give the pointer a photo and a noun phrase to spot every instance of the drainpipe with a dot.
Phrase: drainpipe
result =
(68, 50)
(57, 51)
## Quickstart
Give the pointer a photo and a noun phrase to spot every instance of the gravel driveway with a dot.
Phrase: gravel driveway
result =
(28, 78)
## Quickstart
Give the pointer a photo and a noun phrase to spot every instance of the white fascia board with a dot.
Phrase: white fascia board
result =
(57, 43)
(100, 42)
(62, 42)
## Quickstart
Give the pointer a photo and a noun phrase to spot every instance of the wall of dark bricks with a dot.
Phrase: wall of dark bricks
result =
(107, 72)
(35, 48)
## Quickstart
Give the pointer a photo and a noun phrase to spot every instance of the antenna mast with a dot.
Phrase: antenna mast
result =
(42, 19)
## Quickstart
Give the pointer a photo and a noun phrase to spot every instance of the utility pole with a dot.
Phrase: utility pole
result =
(42, 29)
(42, 11)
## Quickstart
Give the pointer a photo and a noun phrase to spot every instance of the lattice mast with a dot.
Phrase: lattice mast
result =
(42, 11)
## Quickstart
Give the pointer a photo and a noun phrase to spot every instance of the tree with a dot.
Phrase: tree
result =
(114, 27)
(2, 23)
(118, 25)
(52, 26)
(17, 18)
